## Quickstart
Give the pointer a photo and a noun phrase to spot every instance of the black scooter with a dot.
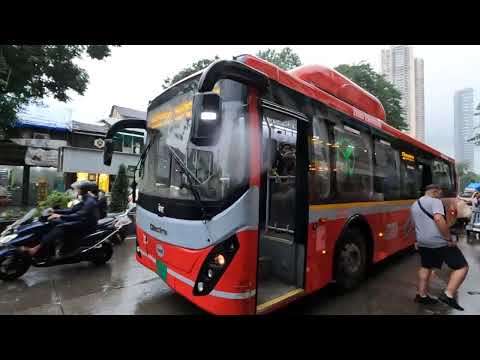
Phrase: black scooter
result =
(96, 247)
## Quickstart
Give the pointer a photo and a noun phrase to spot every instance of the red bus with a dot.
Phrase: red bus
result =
(259, 186)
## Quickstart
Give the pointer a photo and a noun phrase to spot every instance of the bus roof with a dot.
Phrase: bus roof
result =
(290, 80)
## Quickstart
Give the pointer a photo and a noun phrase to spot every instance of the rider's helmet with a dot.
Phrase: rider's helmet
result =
(84, 186)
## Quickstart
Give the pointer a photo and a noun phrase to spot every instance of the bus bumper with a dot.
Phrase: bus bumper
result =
(234, 294)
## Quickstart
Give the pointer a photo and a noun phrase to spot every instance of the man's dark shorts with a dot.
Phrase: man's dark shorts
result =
(434, 258)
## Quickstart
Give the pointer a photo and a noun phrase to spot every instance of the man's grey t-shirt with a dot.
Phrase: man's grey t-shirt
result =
(428, 234)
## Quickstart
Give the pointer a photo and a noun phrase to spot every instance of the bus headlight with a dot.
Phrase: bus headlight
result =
(219, 260)
(215, 265)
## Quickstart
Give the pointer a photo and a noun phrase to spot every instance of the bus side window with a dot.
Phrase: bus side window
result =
(319, 169)
(442, 176)
(453, 190)
(353, 164)
(409, 180)
(387, 172)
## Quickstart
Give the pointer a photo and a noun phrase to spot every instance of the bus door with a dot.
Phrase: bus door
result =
(281, 260)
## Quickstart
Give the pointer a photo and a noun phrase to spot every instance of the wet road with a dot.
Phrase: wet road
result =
(124, 287)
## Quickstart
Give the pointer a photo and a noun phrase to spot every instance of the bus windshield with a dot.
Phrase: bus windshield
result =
(217, 171)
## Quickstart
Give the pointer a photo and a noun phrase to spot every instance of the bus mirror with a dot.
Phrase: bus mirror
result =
(206, 118)
(108, 152)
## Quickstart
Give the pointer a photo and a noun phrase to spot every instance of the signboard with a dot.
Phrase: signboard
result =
(99, 143)
(41, 143)
(74, 159)
(41, 157)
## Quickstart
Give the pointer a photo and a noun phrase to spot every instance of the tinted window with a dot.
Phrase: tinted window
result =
(319, 170)
(353, 164)
(442, 176)
(387, 171)
(410, 187)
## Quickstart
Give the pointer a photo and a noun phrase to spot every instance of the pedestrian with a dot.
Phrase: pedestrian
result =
(476, 202)
(436, 246)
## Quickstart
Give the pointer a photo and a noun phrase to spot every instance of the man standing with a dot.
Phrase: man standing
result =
(436, 246)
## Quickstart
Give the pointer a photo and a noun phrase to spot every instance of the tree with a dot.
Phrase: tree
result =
(120, 191)
(189, 70)
(28, 73)
(286, 58)
(364, 76)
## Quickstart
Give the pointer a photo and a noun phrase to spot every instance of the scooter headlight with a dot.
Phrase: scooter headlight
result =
(8, 238)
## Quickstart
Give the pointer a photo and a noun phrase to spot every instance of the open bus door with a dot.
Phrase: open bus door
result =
(283, 209)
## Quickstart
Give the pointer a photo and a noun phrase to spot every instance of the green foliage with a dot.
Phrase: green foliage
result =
(120, 191)
(364, 76)
(56, 199)
(13, 214)
(286, 58)
(189, 70)
(28, 73)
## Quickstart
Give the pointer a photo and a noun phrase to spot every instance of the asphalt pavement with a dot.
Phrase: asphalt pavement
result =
(124, 287)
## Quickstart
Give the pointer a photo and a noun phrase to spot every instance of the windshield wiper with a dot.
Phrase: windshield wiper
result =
(143, 157)
(190, 178)
(140, 167)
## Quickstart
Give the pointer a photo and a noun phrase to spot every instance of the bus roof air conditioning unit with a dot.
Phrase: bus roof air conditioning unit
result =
(336, 84)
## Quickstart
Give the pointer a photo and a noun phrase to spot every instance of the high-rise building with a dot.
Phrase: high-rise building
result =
(463, 126)
(419, 101)
(405, 72)
(386, 64)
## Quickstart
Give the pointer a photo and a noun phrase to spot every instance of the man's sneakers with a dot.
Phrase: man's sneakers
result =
(425, 300)
(452, 302)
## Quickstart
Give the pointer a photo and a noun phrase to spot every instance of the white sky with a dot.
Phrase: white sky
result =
(134, 74)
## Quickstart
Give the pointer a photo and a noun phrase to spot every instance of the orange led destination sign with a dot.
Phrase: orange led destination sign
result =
(179, 112)
(407, 156)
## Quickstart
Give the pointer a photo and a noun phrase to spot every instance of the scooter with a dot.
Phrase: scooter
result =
(28, 231)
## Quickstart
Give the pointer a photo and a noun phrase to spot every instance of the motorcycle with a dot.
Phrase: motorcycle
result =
(96, 247)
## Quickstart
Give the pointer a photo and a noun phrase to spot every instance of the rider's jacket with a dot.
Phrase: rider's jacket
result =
(86, 211)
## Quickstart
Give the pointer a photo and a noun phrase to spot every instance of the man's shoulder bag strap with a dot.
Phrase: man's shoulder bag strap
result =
(426, 212)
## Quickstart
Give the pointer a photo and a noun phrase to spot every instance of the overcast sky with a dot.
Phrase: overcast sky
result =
(133, 75)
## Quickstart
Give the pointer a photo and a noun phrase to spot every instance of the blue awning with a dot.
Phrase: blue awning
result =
(34, 116)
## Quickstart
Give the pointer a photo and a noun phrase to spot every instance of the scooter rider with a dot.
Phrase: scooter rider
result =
(80, 220)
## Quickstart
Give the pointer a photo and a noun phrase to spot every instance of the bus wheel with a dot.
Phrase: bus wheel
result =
(350, 259)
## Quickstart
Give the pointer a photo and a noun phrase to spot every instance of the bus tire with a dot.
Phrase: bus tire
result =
(351, 259)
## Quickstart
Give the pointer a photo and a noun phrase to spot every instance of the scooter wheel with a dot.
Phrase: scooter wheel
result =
(102, 255)
(14, 265)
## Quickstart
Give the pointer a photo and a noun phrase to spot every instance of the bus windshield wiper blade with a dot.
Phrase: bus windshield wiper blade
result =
(191, 178)
(143, 157)
(139, 167)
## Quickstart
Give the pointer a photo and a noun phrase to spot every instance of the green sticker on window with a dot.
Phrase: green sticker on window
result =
(162, 270)
(346, 150)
